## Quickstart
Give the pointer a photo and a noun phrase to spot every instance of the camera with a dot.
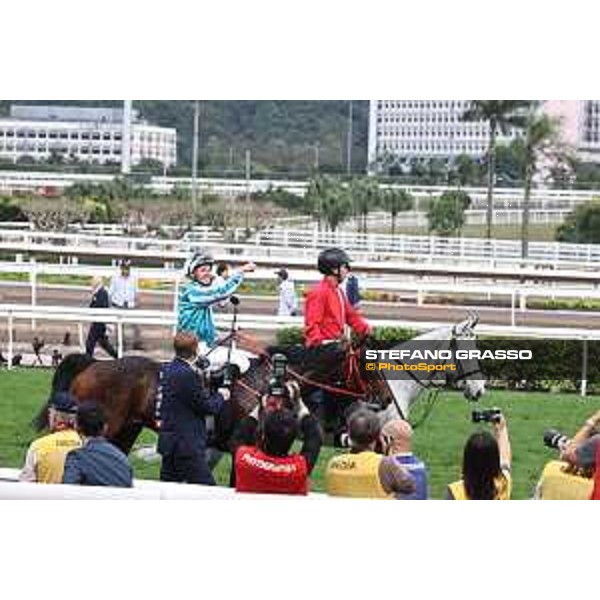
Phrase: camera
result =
(553, 438)
(278, 375)
(490, 415)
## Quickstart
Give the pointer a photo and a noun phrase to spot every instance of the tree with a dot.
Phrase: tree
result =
(395, 200)
(465, 171)
(336, 204)
(365, 197)
(446, 214)
(582, 226)
(501, 115)
(329, 199)
(541, 148)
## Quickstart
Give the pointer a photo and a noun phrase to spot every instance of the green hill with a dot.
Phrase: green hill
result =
(282, 135)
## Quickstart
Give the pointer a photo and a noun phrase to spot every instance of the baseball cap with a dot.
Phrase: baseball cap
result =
(282, 273)
(63, 402)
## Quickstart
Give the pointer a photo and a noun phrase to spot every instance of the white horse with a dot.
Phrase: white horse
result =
(406, 391)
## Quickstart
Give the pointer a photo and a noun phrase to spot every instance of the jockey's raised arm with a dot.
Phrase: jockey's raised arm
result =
(201, 293)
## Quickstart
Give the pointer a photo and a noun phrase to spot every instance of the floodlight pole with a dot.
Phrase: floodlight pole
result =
(195, 158)
(126, 139)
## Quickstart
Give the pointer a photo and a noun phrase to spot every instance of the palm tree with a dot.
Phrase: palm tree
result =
(541, 144)
(365, 197)
(395, 200)
(500, 115)
(336, 205)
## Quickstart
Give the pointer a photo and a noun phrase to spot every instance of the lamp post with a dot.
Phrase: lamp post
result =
(195, 158)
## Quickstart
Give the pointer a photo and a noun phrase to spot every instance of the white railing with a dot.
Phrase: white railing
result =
(551, 216)
(518, 293)
(503, 197)
(420, 256)
(14, 313)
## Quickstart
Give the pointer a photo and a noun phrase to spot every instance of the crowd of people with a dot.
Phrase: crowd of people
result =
(379, 462)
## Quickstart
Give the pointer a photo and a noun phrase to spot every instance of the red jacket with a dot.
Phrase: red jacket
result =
(596, 492)
(326, 312)
(261, 473)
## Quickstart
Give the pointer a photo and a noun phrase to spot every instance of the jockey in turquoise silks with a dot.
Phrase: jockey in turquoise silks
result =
(201, 293)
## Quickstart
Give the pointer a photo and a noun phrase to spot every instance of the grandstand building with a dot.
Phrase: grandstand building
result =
(84, 134)
(400, 130)
(424, 129)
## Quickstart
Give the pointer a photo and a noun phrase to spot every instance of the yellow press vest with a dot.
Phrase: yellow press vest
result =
(555, 484)
(50, 452)
(503, 488)
(355, 476)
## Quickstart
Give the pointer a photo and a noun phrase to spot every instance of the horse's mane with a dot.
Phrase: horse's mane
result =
(63, 377)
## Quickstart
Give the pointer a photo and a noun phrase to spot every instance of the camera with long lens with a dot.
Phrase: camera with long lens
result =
(553, 438)
(278, 375)
(489, 415)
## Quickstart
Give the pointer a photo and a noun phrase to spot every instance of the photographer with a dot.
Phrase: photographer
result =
(363, 472)
(486, 472)
(580, 452)
(261, 445)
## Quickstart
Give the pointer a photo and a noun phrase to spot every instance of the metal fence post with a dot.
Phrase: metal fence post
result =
(513, 293)
(33, 284)
(10, 340)
(584, 367)
(119, 337)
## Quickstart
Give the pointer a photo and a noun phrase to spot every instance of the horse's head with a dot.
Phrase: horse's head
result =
(469, 376)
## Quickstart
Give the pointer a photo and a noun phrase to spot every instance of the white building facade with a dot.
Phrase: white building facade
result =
(424, 129)
(85, 134)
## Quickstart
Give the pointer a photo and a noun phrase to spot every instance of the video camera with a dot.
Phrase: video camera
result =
(278, 375)
(489, 415)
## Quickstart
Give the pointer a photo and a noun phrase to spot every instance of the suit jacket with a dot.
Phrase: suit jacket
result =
(184, 407)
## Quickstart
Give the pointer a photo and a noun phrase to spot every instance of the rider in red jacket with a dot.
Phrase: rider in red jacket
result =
(327, 309)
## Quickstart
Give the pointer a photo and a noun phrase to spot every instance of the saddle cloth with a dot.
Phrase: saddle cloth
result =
(218, 357)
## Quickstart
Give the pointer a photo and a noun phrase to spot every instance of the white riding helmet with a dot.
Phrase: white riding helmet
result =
(197, 260)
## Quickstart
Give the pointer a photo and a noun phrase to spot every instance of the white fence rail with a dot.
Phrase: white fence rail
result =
(518, 294)
(14, 313)
(309, 241)
(11, 181)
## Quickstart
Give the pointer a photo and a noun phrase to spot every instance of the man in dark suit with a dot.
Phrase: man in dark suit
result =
(97, 333)
(183, 410)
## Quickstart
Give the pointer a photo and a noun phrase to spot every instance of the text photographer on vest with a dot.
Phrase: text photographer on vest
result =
(184, 407)
(266, 466)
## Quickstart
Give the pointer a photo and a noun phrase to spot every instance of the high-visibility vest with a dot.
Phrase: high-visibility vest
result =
(355, 476)
(557, 484)
(503, 488)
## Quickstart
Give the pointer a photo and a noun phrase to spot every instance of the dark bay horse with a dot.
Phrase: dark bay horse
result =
(127, 390)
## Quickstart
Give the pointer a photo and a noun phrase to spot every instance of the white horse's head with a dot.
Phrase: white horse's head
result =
(469, 376)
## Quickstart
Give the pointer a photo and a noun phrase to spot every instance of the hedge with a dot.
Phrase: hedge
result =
(556, 364)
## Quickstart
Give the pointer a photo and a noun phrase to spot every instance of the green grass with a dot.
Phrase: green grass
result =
(537, 232)
(439, 441)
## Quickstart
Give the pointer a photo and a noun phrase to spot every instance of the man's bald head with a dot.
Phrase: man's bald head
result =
(363, 429)
(397, 436)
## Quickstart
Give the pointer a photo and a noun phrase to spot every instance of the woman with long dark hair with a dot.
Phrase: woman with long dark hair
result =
(486, 466)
